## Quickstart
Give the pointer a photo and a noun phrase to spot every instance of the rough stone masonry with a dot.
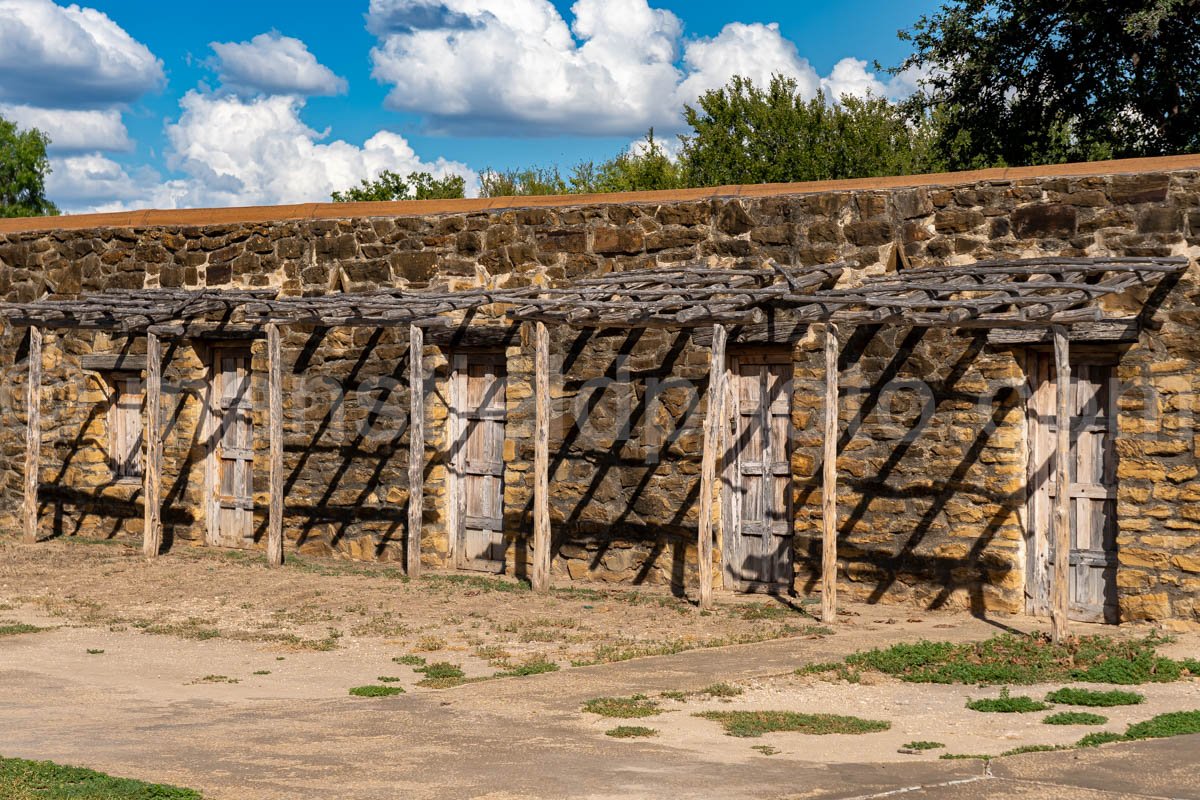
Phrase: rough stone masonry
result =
(932, 463)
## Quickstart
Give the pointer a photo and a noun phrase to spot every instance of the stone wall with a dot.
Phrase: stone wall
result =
(932, 457)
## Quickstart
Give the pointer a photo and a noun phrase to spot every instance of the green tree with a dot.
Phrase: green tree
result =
(416, 186)
(742, 133)
(1022, 82)
(645, 168)
(521, 182)
(23, 171)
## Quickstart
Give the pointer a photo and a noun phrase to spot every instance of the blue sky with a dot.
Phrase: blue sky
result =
(300, 98)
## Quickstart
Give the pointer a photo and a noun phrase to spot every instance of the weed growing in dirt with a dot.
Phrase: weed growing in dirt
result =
(756, 723)
(476, 583)
(622, 707)
(833, 670)
(410, 660)
(217, 679)
(1034, 748)
(1175, 723)
(1099, 738)
(631, 732)
(15, 628)
(91, 651)
(1022, 660)
(1006, 704)
(722, 690)
(674, 695)
(766, 749)
(1075, 718)
(920, 745)
(262, 672)
(534, 666)
(441, 675)
(1070, 696)
(431, 644)
(965, 756)
(27, 780)
(387, 679)
(376, 691)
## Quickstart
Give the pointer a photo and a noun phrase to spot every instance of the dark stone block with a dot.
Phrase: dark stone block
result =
(1160, 220)
(957, 220)
(607, 240)
(1053, 221)
(417, 266)
(733, 219)
(562, 241)
(869, 233)
(1139, 188)
(912, 203)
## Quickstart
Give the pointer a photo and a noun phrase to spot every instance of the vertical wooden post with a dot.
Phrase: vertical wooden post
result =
(275, 434)
(829, 532)
(152, 474)
(33, 434)
(713, 420)
(416, 447)
(1061, 590)
(541, 458)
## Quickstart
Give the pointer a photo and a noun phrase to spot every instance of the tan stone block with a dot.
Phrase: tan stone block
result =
(1147, 606)
(1187, 563)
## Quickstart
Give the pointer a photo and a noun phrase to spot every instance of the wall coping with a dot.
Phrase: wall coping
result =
(148, 218)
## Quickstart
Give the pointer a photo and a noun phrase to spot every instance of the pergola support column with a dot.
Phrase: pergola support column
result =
(541, 458)
(33, 434)
(708, 464)
(416, 447)
(275, 431)
(829, 531)
(152, 475)
(1061, 583)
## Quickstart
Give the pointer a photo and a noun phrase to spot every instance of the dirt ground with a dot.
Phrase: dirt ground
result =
(236, 677)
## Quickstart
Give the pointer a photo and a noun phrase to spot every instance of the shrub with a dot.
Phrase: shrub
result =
(1006, 704)
(756, 723)
(1070, 696)
(376, 691)
(622, 707)
(923, 745)
(535, 666)
(441, 675)
(630, 732)
(722, 690)
(1075, 718)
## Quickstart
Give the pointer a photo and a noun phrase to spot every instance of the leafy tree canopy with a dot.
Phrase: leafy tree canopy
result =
(23, 171)
(644, 168)
(744, 133)
(523, 181)
(416, 186)
(1019, 82)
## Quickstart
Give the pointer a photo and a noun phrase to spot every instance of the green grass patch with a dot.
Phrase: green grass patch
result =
(1022, 660)
(756, 723)
(217, 679)
(674, 695)
(1035, 748)
(923, 745)
(441, 675)
(965, 757)
(45, 780)
(376, 691)
(631, 732)
(534, 666)
(1075, 718)
(17, 628)
(722, 690)
(476, 583)
(1070, 696)
(622, 707)
(1007, 704)
(1175, 723)
(766, 749)
(410, 660)
(388, 679)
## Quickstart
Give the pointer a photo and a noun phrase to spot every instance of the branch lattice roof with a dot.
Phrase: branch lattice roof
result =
(1035, 292)
(677, 298)
(989, 294)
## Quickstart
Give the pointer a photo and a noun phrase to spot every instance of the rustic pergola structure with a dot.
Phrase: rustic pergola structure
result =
(1044, 295)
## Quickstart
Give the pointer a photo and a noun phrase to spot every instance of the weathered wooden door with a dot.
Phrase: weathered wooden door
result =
(757, 479)
(231, 450)
(477, 492)
(1093, 489)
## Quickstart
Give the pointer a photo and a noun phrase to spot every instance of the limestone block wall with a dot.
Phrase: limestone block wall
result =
(933, 422)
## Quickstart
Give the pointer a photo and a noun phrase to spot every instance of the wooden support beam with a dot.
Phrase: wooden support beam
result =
(1060, 587)
(713, 420)
(152, 474)
(33, 434)
(416, 447)
(541, 458)
(275, 432)
(829, 532)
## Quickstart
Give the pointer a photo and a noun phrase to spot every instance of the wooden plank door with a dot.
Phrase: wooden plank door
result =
(757, 479)
(231, 451)
(1093, 489)
(479, 413)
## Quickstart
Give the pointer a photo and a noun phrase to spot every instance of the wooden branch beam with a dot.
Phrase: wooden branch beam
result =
(1061, 586)
(33, 434)
(416, 447)
(541, 458)
(152, 474)
(829, 532)
(713, 420)
(275, 432)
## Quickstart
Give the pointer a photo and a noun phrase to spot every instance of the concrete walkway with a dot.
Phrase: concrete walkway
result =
(137, 711)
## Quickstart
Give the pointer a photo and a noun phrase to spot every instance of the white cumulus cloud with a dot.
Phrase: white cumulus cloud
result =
(617, 68)
(73, 130)
(70, 57)
(94, 182)
(274, 64)
(850, 76)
